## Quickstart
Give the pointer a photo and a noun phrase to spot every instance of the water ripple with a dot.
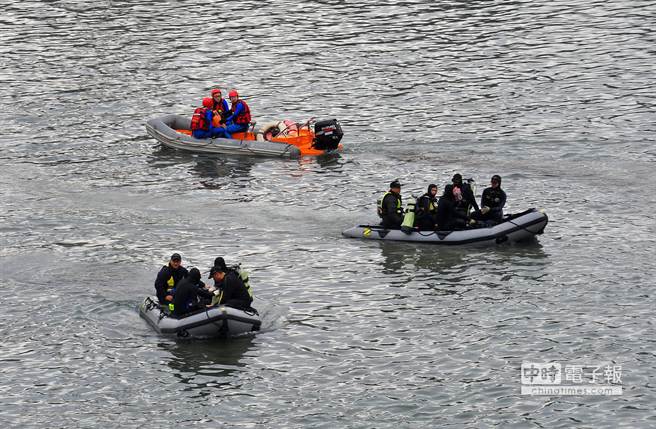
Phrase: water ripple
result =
(555, 97)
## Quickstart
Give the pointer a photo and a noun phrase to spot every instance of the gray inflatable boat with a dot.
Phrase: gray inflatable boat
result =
(218, 321)
(517, 227)
(165, 128)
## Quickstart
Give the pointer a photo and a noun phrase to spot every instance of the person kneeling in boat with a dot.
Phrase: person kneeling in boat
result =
(189, 293)
(168, 278)
(426, 209)
(230, 289)
(202, 126)
(240, 115)
(448, 217)
(390, 207)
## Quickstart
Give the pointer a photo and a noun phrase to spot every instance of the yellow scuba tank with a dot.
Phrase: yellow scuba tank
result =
(409, 219)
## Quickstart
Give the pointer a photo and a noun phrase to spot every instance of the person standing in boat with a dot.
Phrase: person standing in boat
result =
(492, 201)
(202, 122)
(390, 207)
(188, 294)
(240, 115)
(220, 108)
(168, 277)
(230, 289)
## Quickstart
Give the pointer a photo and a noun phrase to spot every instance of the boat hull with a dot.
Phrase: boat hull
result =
(164, 130)
(218, 321)
(520, 227)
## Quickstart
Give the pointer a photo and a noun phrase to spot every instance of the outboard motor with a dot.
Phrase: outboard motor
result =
(327, 134)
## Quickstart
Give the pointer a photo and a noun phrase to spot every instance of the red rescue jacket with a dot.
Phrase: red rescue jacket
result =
(218, 105)
(245, 116)
(199, 121)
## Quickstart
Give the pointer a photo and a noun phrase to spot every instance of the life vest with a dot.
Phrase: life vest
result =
(219, 106)
(381, 208)
(218, 112)
(431, 205)
(245, 116)
(199, 121)
(170, 289)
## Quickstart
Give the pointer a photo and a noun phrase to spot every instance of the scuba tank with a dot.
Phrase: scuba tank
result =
(409, 219)
(243, 275)
(472, 186)
(379, 206)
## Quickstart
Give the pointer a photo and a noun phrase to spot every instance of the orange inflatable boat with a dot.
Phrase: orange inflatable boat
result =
(310, 138)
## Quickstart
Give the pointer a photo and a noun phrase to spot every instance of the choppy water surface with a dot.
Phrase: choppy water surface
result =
(557, 97)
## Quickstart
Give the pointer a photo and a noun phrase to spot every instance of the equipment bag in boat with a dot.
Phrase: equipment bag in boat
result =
(327, 134)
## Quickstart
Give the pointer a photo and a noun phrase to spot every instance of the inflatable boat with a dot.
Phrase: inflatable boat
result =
(284, 139)
(218, 321)
(513, 228)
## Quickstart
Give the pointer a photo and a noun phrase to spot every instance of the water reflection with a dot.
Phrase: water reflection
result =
(398, 257)
(531, 249)
(205, 166)
(211, 363)
(209, 167)
(327, 160)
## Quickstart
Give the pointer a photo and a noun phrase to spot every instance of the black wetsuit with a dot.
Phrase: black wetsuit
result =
(468, 198)
(448, 217)
(188, 294)
(233, 292)
(161, 282)
(495, 199)
(426, 212)
(392, 211)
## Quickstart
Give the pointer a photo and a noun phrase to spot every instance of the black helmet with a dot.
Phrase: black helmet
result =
(194, 275)
(219, 262)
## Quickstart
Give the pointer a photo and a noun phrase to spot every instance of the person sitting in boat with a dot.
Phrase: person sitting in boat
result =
(390, 207)
(201, 122)
(448, 217)
(220, 108)
(426, 209)
(230, 289)
(189, 293)
(468, 201)
(240, 115)
(168, 278)
(492, 202)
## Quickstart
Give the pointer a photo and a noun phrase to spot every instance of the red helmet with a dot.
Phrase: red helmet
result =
(208, 102)
(215, 91)
(233, 93)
